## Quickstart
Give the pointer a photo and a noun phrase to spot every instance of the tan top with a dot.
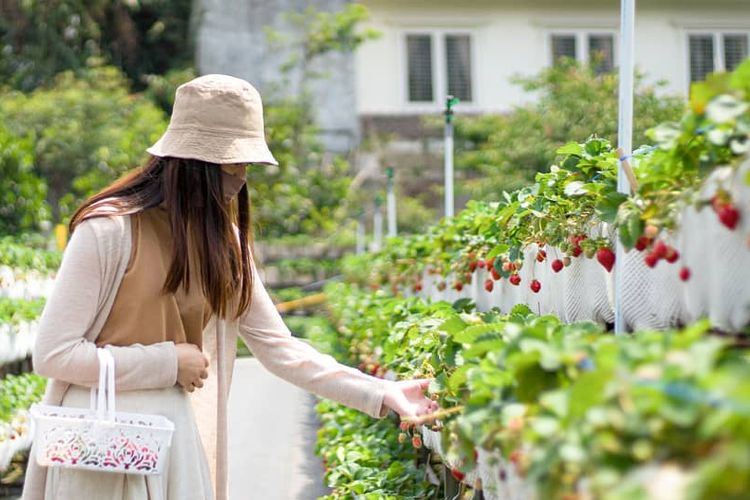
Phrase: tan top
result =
(141, 313)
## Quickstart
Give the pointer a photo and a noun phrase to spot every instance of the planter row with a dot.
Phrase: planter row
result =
(15, 436)
(716, 258)
(17, 340)
(24, 284)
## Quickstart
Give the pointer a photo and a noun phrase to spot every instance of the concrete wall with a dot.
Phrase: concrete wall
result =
(231, 40)
(511, 38)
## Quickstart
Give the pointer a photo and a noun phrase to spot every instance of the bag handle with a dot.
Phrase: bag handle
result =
(103, 396)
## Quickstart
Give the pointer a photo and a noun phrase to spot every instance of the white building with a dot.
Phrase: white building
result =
(472, 48)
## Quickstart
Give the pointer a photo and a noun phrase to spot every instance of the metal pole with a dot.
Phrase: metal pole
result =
(377, 223)
(624, 134)
(360, 235)
(450, 101)
(391, 202)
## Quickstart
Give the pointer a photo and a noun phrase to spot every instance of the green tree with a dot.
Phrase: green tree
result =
(40, 38)
(504, 152)
(22, 194)
(85, 132)
(308, 191)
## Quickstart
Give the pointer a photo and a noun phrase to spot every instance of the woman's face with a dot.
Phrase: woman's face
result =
(232, 178)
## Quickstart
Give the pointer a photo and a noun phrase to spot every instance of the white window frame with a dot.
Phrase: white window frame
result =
(582, 43)
(439, 69)
(717, 34)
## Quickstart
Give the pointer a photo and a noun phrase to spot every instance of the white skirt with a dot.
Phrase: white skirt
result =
(186, 474)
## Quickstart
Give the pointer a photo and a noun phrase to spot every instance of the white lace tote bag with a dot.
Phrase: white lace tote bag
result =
(99, 438)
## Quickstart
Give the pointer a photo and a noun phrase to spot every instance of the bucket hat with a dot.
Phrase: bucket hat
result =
(218, 119)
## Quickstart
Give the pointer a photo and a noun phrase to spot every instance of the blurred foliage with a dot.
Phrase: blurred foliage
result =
(161, 88)
(504, 152)
(22, 193)
(310, 190)
(84, 132)
(40, 38)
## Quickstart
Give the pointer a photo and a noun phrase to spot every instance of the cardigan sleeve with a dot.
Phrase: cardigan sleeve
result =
(270, 340)
(61, 350)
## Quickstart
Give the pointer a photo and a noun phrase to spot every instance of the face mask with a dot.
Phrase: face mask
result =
(231, 184)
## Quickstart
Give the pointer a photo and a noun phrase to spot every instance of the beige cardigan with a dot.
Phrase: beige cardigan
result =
(85, 288)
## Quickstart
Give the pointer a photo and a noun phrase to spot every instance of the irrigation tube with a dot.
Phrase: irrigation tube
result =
(624, 135)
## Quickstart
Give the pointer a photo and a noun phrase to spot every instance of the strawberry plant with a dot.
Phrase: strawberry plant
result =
(573, 409)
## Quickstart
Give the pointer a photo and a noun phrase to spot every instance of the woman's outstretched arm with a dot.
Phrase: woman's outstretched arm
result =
(61, 350)
(271, 341)
(292, 359)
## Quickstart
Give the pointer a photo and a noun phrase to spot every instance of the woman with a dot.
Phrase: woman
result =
(159, 270)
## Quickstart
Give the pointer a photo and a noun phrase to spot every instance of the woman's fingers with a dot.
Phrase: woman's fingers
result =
(204, 374)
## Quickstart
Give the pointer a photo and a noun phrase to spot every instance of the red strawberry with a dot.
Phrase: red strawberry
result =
(535, 286)
(642, 243)
(577, 251)
(541, 255)
(651, 259)
(473, 265)
(515, 279)
(403, 426)
(729, 215)
(672, 255)
(457, 474)
(509, 266)
(480, 264)
(660, 250)
(495, 275)
(417, 287)
(467, 277)
(557, 265)
(489, 284)
(685, 273)
(606, 258)
(490, 262)
(416, 441)
(458, 286)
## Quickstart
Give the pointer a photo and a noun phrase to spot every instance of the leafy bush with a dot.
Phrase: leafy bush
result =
(573, 409)
(22, 193)
(504, 152)
(84, 132)
(364, 459)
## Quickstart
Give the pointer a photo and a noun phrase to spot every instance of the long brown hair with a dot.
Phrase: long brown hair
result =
(194, 196)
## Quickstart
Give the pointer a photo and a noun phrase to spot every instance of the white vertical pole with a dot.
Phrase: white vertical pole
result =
(360, 235)
(377, 223)
(391, 203)
(624, 133)
(449, 205)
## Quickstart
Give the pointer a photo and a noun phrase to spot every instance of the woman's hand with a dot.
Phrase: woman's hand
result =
(406, 397)
(192, 366)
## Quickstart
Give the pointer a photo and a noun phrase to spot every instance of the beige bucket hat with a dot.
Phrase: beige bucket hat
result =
(218, 119)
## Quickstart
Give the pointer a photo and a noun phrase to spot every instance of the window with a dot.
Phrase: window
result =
(709, 52)
(419, 56)
(602, 52)
(458, 65)
(735, 50)
(563, 46)
(594, 48)
(439, 63)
